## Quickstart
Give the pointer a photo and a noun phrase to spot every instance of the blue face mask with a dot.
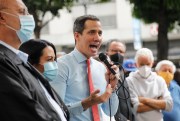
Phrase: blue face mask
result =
(27, 26)
(50, 70)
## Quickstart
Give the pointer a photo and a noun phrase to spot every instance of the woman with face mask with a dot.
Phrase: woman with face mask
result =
(166, 69)
(42, 55)
(149, 93)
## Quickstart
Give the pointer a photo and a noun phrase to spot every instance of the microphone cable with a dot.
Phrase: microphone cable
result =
(123, 78)
(110, 108)
(124, 90)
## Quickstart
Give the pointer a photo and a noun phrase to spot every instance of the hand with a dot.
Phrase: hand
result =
(113, 80)
(95, 98)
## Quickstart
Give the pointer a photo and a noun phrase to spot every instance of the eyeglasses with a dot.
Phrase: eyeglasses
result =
(117, 51)
(20, 12)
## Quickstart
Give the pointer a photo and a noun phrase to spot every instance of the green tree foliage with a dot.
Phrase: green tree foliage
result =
(39, 8)
(163, 12)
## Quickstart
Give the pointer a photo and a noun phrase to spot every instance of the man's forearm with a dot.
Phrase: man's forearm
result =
(86, 103)
(144, 108)
(154, 103)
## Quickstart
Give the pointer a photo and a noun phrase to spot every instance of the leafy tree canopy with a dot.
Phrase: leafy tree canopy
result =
(39, 8)
(149, 10)
(164, 12)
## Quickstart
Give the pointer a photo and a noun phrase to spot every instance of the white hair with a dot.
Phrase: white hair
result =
(144, 52)
(165, 62)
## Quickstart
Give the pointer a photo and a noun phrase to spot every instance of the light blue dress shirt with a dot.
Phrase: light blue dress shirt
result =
(173, 115)
(72, 85)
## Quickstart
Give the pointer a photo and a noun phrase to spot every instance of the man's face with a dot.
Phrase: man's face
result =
(11, 13)
(116, 47)
(166, 68)
(9, 18)
(144, 60)
(89, 42)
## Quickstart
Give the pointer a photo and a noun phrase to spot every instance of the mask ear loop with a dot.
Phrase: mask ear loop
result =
(13, 16)
(9, 14)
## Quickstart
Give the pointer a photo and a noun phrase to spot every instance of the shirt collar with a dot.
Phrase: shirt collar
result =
(79, 56)
(23, 56)
(9, 47)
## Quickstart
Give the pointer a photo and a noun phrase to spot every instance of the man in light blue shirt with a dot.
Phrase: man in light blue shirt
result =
(72, 80)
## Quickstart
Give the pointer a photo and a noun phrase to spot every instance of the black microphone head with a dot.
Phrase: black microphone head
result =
(102, 56)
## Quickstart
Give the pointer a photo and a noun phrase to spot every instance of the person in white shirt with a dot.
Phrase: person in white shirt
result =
(149, 92)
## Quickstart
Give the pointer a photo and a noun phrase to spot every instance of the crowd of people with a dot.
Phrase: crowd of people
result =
(37, 84)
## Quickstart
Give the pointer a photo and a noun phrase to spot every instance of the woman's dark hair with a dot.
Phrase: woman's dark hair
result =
(177, 76)
(34, 48)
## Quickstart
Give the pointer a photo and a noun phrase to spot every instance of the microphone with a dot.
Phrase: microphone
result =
(103, 58)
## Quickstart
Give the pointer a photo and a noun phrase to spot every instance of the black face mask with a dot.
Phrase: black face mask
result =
(117, 58)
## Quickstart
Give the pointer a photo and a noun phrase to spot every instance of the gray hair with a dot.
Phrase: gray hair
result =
(114, 40)
(165, 62)
(144, 52)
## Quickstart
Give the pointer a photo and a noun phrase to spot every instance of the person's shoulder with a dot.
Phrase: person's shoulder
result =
(158, 78)
(2, 55)
(65, 58)
(3, 59)
(174, 84)
(97, 63)
(132, 75)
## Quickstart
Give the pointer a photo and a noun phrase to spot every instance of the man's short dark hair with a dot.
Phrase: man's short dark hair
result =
(80, 21)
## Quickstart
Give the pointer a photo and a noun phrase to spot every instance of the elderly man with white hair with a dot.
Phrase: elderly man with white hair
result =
(149, 93)
(166, 69)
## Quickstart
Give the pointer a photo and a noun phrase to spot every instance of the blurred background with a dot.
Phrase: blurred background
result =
(151, 23)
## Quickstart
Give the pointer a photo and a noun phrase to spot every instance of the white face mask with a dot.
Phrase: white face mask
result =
(144, 71)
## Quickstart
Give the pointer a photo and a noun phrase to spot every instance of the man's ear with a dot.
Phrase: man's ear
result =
(2, 20)
(136, 65)
(76, 36)
(152, 64)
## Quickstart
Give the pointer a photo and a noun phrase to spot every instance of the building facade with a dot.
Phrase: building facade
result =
(117, 22)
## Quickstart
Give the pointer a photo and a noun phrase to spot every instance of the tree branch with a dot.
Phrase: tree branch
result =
(45, 23)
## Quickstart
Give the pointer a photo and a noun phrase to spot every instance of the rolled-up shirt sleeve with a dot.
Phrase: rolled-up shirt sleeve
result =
(167, 97)
(133, 95)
